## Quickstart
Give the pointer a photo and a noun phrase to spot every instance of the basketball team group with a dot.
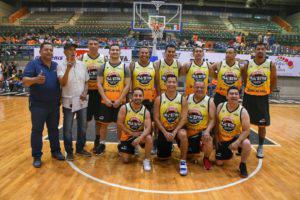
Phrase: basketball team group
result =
(144, 101)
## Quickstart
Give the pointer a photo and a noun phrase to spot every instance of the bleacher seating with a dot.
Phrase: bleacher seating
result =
(47, 18)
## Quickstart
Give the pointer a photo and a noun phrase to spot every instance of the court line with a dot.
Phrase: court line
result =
(269, 145)
(258, 167)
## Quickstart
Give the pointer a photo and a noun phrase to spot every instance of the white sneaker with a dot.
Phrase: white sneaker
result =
(260, 151)
(147, 165)
(183, 168)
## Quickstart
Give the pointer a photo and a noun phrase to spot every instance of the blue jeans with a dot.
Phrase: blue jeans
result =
(81, 129)
(41, 114)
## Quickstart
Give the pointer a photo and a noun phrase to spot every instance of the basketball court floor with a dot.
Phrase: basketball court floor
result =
(277, 176)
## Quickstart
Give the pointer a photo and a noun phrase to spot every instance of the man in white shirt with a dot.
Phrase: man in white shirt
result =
(73, 78)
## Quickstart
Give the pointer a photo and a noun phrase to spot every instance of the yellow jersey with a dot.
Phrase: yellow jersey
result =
(196, 73)
(144, 78)
(258, 78)
(198, 114)
(164, 70)
(228, 76)
(92, 66)
(230, 123)
(113, 80)
(170, 110)
(134, 121)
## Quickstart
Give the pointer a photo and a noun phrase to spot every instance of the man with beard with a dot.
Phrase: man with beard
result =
(93, 60)
(260, 78)
(166, 66)
(195, 71)
(233, 128)
(134, 122)
(170, 115)
(200, 122)
(113, 85)
(228, 73)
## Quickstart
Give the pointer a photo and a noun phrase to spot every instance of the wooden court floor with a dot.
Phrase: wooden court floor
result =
(277, 176)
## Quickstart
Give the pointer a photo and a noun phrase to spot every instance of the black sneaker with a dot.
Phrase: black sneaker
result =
(96, 144)
(100, 149)
(243, 170)
(239, 151)
(37, 162)
(84, 153)
(58, 156)
(70, 157)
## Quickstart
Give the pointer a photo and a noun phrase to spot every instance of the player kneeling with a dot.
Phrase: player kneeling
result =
(134, 122)
(233, 129)
(200, 122)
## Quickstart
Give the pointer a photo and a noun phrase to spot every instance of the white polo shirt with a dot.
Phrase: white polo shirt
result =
(78, 76)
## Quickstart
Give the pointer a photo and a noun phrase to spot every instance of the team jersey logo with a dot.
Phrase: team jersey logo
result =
(134, 123)
(229, 78)
(113, 78)
(144, 78)
(171, 114)
(92, 74)
(194, 116)
(227, 124)
(199, 76)
(258, 78)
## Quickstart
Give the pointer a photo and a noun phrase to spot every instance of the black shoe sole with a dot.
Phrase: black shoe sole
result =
(60, 159)
(37, 166)
(85, 155)
(99, 154)
(259, 157)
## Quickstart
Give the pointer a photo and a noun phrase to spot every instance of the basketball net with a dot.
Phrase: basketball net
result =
(157, 31)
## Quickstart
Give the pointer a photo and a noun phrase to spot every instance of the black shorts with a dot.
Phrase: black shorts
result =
(219, 99)
(223, 152)
(93, 105)
(195, 143)
(164, 147)
(149, 105)
(108, 114)
(127, 147)
(258, 109)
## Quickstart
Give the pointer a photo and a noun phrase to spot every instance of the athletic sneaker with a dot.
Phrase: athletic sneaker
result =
(84, 153)
(260, 151)
(183, 168)
(207, 164)
(96, 143)
(243, 170)
(100, 149)
(147, 165)
(70, 157)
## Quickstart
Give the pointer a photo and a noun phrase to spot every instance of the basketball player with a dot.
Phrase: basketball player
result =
(228, 73)
(166, 66)
(260, 77)
(135, 124)
(200, 122)
(170, 115)
(113, 85)
(233, 128)
(143, 76)
(195, 71)
(93, 61)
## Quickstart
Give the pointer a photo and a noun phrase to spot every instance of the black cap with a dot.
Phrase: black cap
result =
(68, 45)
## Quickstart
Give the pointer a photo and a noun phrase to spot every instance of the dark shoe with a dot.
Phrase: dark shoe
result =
(37, 162)
(84, 153)
(58, 156)
(100, 149)
(96, 144)
(243, 170)
(70, 157)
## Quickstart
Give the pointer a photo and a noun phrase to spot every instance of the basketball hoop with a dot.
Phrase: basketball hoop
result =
(157, 30)
(157, 4)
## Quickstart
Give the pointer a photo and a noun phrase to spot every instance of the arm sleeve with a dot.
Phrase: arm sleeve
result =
(29, 70)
